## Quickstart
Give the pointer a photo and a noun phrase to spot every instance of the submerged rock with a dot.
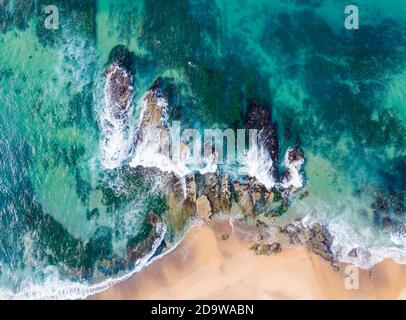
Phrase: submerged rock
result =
(138, 251)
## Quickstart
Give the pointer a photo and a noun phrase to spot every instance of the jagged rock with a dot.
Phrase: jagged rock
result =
(152, 128)
(211, 192)
(267, 249)
(260, 224)
(225, 195)
(275, 247)
(318, 240)
(292, 179)
(315, 238)
(260, 119)
(119, 86)
(208, 185)
(190, 187)
(212, 189)
(152, 218)
(203, 208)
(295, 155)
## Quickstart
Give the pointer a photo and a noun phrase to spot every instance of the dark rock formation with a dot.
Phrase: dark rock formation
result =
(389, 208)
(291, 179)
(260, 119)
(122, 57)
(353, 253)
(267, 249)
(304, 195)
(119, 90)
(318, 240)
(315, 238)
(295, 154)
(212, 193)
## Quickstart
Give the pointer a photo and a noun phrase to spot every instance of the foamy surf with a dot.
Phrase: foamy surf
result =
(116, 138)
(294, 178)
(257, 163)
(55, 288)
(371, 246)
(150, 142)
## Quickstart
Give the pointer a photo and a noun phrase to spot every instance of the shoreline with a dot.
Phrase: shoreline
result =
(206, 264)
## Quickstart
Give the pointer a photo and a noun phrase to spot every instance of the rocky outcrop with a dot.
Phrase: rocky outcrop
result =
(319, 240)
(267, 249)
(293, 161)
(206, 194)
(260, 119)
(216, 187)
(153, 119)
(203, 208)
(315, 238)
(119, 82)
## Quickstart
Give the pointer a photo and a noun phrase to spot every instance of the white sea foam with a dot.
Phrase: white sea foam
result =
(257, 163)
(349, 232)
(148, 151)
(55, 288)
(73, 61)
(295, 177)
(116, 135)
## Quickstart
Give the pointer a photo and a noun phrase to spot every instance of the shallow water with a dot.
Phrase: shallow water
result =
(63, 217)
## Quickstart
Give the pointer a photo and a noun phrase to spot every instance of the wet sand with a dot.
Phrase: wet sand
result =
(205, 266)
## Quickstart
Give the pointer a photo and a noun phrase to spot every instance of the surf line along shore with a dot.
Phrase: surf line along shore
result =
(210, 194)
(202, 309)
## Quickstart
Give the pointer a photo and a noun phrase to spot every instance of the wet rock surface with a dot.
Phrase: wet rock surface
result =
(315, 238)
(119, 81)
(260, 120)
(206, 195)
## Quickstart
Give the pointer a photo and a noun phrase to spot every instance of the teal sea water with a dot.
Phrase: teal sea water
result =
(66, 222)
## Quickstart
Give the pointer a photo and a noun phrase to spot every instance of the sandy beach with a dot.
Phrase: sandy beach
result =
(205, 266)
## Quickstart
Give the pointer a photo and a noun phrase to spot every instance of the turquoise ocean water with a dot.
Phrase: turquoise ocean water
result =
(66, 222)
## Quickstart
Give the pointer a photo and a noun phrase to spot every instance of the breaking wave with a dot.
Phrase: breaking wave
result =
(116, 134)
(371, 243)
(55, 288)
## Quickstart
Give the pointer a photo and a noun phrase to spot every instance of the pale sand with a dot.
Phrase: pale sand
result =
(204, 266)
